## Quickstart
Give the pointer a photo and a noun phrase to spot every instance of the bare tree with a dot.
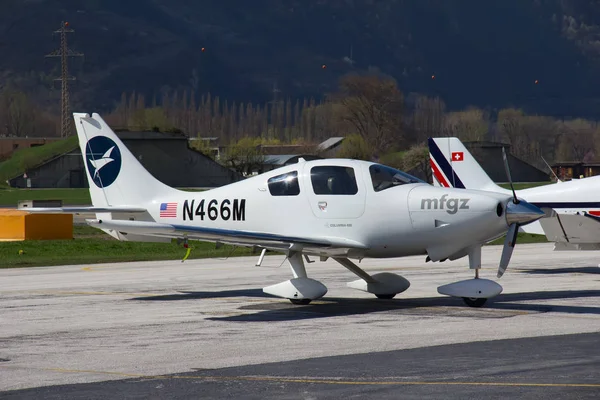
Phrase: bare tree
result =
(428, 117)
(530, 137)
(469, 125)
(19, 115)
(354, 146)
(417, 158)
(244, 156)
(538, 139)
(510, 124)
(578, 137)
(329, 121)
(373, 106)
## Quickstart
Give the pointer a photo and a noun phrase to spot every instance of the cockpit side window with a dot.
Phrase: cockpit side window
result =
(284, 184)
(333, 180)
(384, 177)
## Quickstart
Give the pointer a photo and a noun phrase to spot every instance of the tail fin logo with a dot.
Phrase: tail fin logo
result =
(103, 159)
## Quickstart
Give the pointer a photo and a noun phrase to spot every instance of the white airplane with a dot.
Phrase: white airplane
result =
(572, 208)
(338, 208)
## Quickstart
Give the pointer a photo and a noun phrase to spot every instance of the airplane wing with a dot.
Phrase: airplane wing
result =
(580, 231)
(314, 246)
(77, 210)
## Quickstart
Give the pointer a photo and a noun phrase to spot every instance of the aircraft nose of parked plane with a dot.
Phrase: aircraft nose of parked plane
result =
(522, 213)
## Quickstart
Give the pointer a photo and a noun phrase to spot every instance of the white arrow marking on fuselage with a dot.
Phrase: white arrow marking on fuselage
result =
(102, 162)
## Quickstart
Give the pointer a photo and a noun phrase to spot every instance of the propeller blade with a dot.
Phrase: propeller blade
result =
(507, 250)
(507, 169)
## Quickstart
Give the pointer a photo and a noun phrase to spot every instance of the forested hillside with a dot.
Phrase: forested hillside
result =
(483, 53)
(516, 70)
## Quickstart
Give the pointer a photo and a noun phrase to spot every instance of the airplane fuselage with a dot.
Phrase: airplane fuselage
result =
(577, 195)
(302, 200)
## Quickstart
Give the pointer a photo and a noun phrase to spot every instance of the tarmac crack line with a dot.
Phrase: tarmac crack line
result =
(341, 381)
(330, 381)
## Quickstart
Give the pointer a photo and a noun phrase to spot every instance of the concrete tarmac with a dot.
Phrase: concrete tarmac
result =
(531, 368)
(144, 324)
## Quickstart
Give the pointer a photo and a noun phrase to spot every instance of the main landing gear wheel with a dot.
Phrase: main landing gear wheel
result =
(386, 296)
(301, 289)
(474, 301)
(300, 302)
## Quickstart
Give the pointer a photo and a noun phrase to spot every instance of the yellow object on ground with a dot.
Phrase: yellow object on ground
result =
(187, 253)
(23, 225)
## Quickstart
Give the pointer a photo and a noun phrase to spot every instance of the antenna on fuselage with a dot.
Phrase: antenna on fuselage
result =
(551, 170)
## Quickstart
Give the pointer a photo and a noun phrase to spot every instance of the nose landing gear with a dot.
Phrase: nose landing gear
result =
(476, 291)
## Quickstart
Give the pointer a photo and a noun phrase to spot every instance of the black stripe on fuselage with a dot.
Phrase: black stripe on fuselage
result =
(568, 204)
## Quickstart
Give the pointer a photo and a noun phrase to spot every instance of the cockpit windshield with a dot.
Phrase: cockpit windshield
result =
(384, 177)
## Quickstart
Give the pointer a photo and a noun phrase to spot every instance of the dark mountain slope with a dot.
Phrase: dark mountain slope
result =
(482, 53)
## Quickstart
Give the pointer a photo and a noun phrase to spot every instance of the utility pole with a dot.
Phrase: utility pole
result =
(64, 53)
(276, 111)
(350, 60)
(275, 91)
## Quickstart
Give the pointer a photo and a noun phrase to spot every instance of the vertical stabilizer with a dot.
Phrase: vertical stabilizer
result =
(115, 176)
(453, 165)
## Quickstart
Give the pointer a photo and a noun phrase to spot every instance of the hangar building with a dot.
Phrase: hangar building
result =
(167, 156)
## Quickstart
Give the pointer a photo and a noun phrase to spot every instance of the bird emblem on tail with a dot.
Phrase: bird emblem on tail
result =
(102, 162)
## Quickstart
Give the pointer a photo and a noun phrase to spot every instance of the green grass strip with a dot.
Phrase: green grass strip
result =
(23, 160)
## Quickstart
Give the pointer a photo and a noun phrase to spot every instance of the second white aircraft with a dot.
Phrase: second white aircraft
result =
(572, 208)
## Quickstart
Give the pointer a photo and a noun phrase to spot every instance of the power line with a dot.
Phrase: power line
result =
(64, 53)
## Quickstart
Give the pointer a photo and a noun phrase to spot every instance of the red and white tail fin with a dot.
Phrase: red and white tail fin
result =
(452, 165)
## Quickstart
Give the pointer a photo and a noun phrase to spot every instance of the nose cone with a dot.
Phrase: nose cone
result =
(522, 213)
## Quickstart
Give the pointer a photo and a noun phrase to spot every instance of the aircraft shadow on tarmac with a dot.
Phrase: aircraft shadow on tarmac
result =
(553, 271)
(207, 295)
(503, 306)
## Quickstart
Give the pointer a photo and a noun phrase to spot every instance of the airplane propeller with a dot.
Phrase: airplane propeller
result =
(507, 250)
(518, 213)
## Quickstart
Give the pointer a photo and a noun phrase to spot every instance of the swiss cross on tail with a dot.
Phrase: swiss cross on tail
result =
(458, 156)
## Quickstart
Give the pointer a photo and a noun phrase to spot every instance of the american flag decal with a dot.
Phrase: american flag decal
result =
(168, 210)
